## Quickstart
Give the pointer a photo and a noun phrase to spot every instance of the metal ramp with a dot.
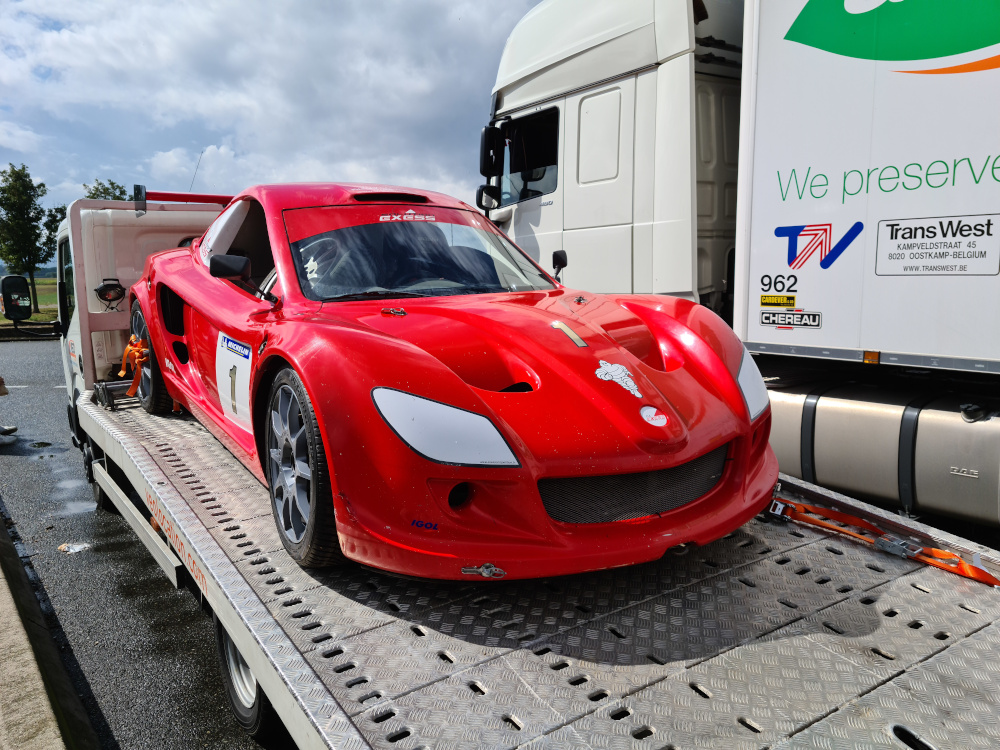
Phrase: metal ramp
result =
(776, 636)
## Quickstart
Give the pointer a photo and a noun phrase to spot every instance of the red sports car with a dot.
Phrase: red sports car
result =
(421, 397)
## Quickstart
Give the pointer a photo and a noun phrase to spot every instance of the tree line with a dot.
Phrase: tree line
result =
(28, 232)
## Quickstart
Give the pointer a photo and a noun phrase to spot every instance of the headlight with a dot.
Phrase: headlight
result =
(752, 385)
(443, 433)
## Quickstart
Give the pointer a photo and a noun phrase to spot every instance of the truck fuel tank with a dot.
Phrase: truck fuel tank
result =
(957, 460)
(916, 452)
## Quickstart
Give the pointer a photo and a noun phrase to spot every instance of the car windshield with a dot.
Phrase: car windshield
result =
(379, 251)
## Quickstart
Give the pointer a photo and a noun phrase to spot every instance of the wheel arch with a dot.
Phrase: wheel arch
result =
(266, 375)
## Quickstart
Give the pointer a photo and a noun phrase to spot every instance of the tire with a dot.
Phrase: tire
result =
(298, 476)
(250, 706)
(152, 393)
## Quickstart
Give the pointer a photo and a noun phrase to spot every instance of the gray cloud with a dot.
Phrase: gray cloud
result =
(380, 90)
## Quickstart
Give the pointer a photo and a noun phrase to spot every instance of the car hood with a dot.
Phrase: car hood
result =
(577, 382)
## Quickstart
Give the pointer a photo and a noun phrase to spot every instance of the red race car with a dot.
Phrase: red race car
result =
(421, 397)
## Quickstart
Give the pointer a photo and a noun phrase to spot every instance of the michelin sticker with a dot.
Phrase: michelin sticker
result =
(619, 374)
(232, 379)
(939, 246)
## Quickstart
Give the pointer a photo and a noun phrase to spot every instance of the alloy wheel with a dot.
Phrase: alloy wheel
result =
(291, 472)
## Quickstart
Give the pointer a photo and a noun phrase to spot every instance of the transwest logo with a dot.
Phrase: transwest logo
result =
(903, 31)
(818, 237)
(236, 347)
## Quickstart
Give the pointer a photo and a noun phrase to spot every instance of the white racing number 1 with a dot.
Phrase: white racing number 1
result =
(232, 379)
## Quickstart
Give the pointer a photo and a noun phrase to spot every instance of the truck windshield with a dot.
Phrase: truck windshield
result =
(383, 251)
(530, 157)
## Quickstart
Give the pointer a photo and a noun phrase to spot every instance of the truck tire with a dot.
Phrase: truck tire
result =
(298, 475)
(251, 707)
(152, 393)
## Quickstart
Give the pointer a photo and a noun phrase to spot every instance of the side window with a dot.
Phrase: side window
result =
(530, 157)
(219, 236)
(251, 241)
(66, 274)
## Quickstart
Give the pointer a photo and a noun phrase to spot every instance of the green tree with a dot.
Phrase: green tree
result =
(53, 218)
(105, 191)
(21, 216)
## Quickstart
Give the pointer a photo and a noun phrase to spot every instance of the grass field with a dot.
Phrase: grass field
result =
(46, 292)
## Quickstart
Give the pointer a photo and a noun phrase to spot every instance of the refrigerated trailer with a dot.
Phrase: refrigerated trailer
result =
(824, 174)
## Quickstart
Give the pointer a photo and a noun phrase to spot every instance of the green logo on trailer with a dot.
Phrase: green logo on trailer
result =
(902, 30)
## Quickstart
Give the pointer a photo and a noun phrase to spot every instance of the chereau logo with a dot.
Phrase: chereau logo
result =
(818, 237)
(910, 32)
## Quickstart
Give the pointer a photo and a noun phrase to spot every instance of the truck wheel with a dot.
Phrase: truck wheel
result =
(152, 393)
(252, 709)
(298, 476)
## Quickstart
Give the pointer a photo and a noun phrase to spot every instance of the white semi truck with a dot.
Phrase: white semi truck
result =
(824, 174)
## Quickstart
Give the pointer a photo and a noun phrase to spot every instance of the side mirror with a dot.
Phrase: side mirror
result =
(15, 298)
(488, 197)
(559, 262)
(491, 143)
(231, 267)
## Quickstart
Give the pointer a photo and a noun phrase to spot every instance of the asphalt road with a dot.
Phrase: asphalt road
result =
(140, 653)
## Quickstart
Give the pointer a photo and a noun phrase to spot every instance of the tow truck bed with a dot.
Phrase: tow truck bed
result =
(776, 636)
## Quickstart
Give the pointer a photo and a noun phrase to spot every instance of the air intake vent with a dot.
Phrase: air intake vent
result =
(622, 497)
(389, 198)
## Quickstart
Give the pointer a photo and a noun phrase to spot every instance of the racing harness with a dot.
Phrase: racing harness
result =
(786, 510)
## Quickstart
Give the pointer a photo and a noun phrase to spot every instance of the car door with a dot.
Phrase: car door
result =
(227, 323)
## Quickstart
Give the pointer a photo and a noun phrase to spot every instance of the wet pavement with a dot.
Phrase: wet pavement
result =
(140, 653)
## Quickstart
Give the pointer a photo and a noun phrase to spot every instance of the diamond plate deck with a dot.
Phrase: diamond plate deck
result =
(776, 636)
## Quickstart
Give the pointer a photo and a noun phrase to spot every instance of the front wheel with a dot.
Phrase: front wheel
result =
(298, 475)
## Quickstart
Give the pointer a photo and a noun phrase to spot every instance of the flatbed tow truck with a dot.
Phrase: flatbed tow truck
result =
(780, 635)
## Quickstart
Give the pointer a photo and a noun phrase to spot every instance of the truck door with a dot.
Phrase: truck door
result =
(531, 182)
(598, 178)
(66, 295)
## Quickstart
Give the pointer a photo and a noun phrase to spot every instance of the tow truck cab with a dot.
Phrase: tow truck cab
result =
(102, 248)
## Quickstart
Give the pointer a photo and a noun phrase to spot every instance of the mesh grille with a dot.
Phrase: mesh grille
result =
(621, 497)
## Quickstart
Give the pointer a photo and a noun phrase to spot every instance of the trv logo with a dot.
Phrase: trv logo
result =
(817, 237)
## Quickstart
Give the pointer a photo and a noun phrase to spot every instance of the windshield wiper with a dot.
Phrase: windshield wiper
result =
(372, 294)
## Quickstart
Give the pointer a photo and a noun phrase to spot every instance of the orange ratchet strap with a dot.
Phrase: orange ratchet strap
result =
(894, 545)
(136, 353)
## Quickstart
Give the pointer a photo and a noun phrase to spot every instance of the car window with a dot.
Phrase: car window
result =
(385, 251)
(219, 236)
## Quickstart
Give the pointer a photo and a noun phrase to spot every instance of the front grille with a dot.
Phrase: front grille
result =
(621, 497)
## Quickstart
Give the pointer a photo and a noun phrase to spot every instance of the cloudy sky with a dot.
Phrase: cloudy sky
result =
(265, 90)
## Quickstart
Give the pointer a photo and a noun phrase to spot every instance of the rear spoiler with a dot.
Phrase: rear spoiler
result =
(140, 196)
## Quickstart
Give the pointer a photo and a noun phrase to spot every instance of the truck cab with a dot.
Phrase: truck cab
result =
(102, 248)
(614, 135)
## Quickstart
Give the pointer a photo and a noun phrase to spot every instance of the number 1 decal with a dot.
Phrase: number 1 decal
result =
(232, 387)
(233, 364)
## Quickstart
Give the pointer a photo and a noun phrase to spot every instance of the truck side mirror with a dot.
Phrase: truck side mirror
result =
(491, 144)
(231, 267)
(488, 197)
(559, 262)
(15, 298)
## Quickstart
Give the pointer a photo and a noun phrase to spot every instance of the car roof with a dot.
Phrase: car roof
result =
(306, 194)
